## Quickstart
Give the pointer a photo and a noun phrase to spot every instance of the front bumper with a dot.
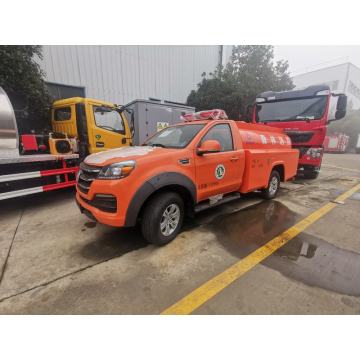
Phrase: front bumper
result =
(306, 159)
(105, 200)
(307, 170)
(88, 208)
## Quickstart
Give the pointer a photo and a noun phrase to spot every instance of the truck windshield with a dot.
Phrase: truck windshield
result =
(291, 110)
(109, 119)
(176, 137)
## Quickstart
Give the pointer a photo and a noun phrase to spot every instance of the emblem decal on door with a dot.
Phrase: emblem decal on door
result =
(98, 137)
(220, 171)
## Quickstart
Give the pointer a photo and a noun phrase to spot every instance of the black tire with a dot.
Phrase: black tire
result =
(269, 193)
(154, 214)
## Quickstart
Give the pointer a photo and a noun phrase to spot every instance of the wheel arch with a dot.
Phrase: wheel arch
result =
(280, 168)
(169, 181)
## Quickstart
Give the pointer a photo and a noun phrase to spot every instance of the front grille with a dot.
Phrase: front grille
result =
(299, 136)
(86, 176)
(103, 202)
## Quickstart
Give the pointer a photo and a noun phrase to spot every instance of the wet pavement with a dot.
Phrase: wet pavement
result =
(306, 258)
(56, 261)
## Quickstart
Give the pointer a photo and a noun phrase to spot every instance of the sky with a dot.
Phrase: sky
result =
(306, 58)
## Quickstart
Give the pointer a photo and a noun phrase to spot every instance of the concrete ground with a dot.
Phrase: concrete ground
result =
(53, 260)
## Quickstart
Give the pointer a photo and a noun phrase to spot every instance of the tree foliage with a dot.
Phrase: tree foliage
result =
(251, 70)
(22, 79)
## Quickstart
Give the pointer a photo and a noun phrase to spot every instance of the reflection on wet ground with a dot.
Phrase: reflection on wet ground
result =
(246, 230)
(306, 258)
(316, 262)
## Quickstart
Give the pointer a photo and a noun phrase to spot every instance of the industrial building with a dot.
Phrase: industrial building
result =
(342, 78)
(120, 73)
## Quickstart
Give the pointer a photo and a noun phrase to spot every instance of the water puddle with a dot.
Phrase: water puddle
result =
(244, 231)
(316, 262)
(306, 258)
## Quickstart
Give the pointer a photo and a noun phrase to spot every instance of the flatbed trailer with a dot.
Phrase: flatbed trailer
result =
(30, 174)
(24, 174)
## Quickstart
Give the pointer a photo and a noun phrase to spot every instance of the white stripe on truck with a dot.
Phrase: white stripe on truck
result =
(11, 194)
(20, 176)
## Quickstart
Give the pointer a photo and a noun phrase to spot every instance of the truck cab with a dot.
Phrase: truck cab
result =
(303, 115)
(185, 168)
(98, 125)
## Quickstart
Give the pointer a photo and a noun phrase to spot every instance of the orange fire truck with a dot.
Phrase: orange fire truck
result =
(204, 161)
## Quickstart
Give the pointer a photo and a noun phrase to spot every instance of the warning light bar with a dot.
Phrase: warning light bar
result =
(215, 114)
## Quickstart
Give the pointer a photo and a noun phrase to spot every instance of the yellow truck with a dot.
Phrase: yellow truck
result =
(98, 125)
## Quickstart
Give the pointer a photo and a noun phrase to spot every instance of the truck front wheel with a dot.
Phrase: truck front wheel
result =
(273, 186)
(162, 218)
(311, 173)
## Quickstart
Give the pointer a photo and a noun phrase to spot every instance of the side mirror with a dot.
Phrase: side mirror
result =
(341, 107)
(208, 147)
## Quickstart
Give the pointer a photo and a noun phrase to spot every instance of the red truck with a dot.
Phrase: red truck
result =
(336, 143)
(303, 115)
(185, 168)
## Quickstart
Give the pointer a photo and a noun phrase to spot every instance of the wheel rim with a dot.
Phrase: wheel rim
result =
(273, 186)
(170, 219)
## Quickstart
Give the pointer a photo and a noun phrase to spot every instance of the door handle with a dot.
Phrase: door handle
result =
(234, 158)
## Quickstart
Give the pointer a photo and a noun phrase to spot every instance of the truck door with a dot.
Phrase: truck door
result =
(107, 128)
(221, 172)
(157, 118)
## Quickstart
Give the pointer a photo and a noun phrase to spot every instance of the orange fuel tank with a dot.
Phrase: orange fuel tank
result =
(256, 136)
(264, 147)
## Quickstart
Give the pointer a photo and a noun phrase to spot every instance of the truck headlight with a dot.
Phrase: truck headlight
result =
(314, 152)
(117, 170)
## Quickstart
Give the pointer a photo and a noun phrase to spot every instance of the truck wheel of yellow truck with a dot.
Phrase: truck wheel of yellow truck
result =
(273, 186)
(162, 218)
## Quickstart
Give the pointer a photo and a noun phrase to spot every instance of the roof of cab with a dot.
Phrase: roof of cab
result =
(75, 100)
(300, 93)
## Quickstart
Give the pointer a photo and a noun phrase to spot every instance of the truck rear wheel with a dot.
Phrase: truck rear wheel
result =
(273, 186)
(162, 218)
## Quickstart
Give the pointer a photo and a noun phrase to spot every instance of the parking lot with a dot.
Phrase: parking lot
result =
(54, 260)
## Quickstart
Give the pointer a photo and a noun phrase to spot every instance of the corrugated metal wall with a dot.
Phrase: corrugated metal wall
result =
(123, 73)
